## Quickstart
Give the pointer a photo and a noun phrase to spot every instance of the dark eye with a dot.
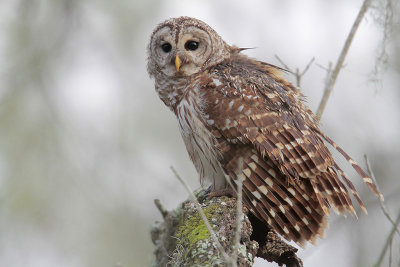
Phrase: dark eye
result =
(191, 45)
(166, 47)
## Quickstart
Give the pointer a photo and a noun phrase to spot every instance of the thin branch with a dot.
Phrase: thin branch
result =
(296, 73)
(307, 67)
(383, 207)
(203, 217)
(239, 213)
(390, 252)
(161, 208)
(328, 71)
(342, 56)
(283, 63)
(387, 244)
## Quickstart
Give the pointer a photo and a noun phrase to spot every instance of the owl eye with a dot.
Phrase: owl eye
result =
(166, 47)
(191, 45)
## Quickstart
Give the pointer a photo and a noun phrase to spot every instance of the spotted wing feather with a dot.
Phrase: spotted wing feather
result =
(290, 177)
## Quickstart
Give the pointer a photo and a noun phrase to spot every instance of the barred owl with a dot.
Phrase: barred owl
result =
(241, 120)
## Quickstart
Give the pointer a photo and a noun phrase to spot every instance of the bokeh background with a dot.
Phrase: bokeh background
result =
(86, 145)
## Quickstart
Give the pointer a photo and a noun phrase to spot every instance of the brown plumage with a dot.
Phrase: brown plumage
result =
(232, 109)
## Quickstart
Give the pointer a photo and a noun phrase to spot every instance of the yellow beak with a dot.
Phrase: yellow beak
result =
(177, 63)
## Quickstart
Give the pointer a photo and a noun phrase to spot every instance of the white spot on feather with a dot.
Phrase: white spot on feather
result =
(254, 157)
(294, 144)
(252, 165)
(299, 140)
(308, 209)
(288, 146)
(289, 201)
(282, 209)
(263, 189)
(257, 195)
(279, 145)
(269, 182)
(368, 180)
(247, 172)
(291, 190)
(217, 82)
(272, 213)
(271, 95)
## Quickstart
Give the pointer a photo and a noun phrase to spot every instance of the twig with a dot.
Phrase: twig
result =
(383, 207)
(283, 63)
(342, 56)
(297, 73)
(300, 75)
(387, 244)
(203, 217)
(327, 69)
(239, 212)
(161, 208)
(390, 252)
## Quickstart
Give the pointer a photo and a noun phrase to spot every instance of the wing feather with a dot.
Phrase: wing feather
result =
(292, 179)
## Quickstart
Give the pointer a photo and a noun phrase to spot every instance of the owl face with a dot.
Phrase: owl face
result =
(183, 46)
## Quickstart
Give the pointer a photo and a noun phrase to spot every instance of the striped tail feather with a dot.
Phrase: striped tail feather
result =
(292, 210)
(357, 168)
(342, 200)
(352, 188)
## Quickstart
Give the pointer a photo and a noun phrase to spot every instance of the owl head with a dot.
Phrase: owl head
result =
(181, 47)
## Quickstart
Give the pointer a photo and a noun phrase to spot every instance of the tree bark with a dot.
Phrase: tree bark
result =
(182, 238)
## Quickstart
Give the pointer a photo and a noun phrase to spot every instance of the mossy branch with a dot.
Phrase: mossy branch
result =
(183, 239)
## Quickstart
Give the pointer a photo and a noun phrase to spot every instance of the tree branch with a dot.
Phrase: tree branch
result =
(296, 73)
(182, 238)
(332, 78)
(203, 216)
(383, 207)
(388, 242)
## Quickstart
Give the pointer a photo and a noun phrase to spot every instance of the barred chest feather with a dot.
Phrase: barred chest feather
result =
(200, 142)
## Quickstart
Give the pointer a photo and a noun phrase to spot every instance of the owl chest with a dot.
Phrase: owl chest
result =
(200, 143)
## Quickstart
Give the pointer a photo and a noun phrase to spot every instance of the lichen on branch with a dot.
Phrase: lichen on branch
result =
(182, 238)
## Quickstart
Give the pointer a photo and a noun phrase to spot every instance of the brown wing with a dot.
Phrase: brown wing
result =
(291, 179)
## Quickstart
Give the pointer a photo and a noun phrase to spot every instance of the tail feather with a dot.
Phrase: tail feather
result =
(340, 191)
(370, 183)
(321, 199)
(329, 193)
(284, 190)
(351, 187)
(281, 205)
